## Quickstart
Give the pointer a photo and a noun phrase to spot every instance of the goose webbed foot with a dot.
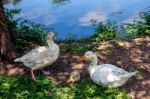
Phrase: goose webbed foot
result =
(45, 72)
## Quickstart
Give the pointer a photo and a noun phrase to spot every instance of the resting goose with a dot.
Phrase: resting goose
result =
(107, 74)
(41, 57)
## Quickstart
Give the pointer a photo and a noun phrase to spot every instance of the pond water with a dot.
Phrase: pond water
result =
(77, 17)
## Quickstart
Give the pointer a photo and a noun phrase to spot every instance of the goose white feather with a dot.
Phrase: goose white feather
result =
(42, 56)
(107, 74)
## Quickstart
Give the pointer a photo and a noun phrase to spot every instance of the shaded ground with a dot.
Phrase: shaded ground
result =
(131, 55)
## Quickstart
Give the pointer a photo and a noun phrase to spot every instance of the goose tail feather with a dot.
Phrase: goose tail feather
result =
(128, 75)
(17, 60)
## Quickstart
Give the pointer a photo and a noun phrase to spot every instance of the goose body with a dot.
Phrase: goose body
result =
(42, 56)
(107, 74)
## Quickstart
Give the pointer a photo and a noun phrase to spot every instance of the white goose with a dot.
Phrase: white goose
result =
(41, 57)
(107, 74)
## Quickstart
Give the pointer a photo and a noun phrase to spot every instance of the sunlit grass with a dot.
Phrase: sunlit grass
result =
(23, 88)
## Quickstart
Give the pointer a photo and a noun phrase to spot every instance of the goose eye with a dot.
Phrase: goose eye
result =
(87, 54)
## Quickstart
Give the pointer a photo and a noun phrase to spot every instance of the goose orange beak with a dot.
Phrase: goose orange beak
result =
(83, 58)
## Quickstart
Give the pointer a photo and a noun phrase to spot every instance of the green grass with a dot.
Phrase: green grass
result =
(23, 87)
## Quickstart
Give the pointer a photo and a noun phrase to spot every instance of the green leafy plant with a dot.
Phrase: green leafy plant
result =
(140, 27)
(30, 33)
(135, 30)
(104, 32)
(26, 33)
(12, 23)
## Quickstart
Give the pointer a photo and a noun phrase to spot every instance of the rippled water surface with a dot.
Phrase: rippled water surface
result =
(77, 17)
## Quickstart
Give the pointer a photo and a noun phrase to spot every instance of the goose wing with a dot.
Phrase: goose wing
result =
(35, 55)
(114, 69)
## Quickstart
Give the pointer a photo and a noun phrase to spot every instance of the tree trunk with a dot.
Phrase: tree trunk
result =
(6, 44)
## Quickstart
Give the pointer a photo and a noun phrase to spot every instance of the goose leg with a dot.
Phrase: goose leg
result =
(33, 76)
(45, 72)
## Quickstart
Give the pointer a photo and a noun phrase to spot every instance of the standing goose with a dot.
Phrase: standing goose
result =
(107, 74)
(41, 57)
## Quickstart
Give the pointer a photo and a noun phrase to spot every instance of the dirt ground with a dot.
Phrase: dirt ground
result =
(129, 55)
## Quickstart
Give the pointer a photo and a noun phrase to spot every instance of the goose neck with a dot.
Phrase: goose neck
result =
(50, 43)
(94, 61)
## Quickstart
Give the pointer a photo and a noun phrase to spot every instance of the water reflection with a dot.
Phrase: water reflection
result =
(92, 17)
(60, 2)
(77, 16)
